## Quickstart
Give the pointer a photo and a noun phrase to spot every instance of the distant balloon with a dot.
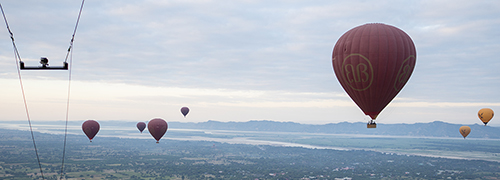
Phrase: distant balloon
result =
(373, 62)
(485, 115)
(184, 111)
(464, 130)
(141, 126)
(90, 128)
(157, 127)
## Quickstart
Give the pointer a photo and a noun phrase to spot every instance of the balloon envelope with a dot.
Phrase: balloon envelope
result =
(464, 130)
(90, 128)
(141, 126)
(485, 115)
(373, 62)
(184, 111)
(157, 127)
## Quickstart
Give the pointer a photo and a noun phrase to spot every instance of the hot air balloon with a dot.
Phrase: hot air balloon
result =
(141, 126)
(464, 130)
(485, 115)
(373, 62)
(157, 127)
(90, 128)
(184, 111)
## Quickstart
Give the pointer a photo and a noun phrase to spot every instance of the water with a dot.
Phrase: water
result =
(456, 148)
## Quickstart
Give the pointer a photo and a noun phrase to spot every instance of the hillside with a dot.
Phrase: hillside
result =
(433, 129)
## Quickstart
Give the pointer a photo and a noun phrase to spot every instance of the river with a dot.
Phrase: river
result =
(285, 139)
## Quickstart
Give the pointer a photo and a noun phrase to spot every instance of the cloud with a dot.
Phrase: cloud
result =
(251, 54)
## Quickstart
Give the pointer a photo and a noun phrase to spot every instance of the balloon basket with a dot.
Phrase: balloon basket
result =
(371, 125)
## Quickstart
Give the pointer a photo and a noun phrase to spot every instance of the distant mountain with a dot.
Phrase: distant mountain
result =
(433, 129)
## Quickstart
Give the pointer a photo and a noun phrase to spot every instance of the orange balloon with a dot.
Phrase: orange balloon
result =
(485, 115)
(464, 130)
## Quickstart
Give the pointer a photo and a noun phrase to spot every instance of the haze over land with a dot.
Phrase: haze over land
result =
(433, 129)
(427, 139)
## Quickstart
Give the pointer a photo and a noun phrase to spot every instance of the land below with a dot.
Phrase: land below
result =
(122, 152)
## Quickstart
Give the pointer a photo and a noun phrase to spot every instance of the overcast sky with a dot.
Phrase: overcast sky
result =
(247, 60)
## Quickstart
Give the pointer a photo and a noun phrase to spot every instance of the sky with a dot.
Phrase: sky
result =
(135, 60)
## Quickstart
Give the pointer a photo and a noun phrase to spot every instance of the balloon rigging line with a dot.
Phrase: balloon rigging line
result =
(18, 58)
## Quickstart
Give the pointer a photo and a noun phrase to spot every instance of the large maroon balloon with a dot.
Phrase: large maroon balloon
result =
(90, 128)
(184, 111)
(141, 126)
(372, 63)
(157, 127)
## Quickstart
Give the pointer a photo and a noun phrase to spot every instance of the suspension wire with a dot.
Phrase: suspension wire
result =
(18, 58)
(70, 54)
(74, 31)
(67, 116)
